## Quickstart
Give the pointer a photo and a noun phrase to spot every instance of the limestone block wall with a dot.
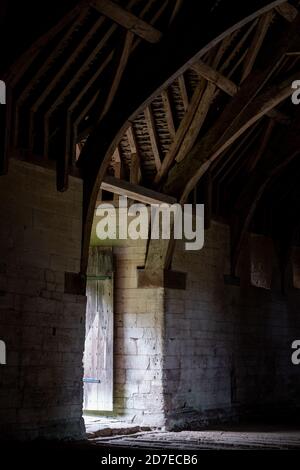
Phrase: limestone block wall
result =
(227, 349)
(43, 328)
(139, 327)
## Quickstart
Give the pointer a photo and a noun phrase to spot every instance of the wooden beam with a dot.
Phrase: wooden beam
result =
(197, 122)
(178, 5)
(128, 20)
(135, 171)
(18, 68)
(135, 192)
(183, 92)
(221, 136)
(186, 172)
(43, 69)
(70, 84)
(169, 113)
(181, 132)
(157, 14)
(117, 163)
(119, 72)
(216, 78)
(71, 58)
(260, 34)
(135, 167)
(117, 167)
(287, 11)
(71, 141)
(238, 47)
(229, 87)
(153, 136)
(203, 107)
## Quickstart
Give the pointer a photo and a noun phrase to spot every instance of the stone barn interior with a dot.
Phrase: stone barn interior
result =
(140, 342)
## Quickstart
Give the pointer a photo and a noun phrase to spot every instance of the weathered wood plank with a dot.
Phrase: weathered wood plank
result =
(98, 355)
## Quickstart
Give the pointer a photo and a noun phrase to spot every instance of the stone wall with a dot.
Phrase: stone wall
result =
(211, 353)
(42, 326)
(139, 324)
(227, 348)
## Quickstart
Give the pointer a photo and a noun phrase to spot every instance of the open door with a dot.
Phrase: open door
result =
(98, 353)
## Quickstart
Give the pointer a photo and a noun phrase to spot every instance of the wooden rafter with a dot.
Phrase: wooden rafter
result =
(216, 78)
(135, 167)
(119, 72)
(19, 67)
(181, 132)
(169, 114)
(235, 117)
(105, 63)
(117, 167)
(259, 36)
(204, 105)
(197, 122)
(135, 192)
(43, 69)
(194, 117)
(238, 47)
(117, 163)
(153, 20)
(178, 6)
(153, 136)
(183, 92)
(69, 157)
(128, 20)
(229, 87)
(71, 141)
(217, 141)
(75, 54)
(69, 85)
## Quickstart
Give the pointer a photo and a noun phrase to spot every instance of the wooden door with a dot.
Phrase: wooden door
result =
(98, 354)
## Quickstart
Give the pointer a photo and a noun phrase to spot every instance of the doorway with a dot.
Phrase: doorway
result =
(98, 353)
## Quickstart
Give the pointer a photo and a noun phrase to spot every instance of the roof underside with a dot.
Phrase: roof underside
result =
(209, 135)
